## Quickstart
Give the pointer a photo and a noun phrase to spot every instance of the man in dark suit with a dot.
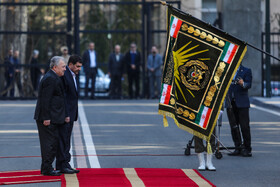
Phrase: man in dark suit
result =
(238, 104)
(90, 68)
(9, 73)
(63, 156)
(50, 113)
(154, 63)
(115, 67)
(132, 61)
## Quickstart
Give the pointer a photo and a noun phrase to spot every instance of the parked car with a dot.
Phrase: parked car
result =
(102, 84)
(275, 88)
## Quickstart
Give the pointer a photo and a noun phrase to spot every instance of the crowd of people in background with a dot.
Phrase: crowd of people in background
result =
(121, 66)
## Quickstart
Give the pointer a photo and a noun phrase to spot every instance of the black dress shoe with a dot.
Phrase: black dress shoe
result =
(246, 153)
(236, 152)
(51, 173)
(75, 170)
(67, 171)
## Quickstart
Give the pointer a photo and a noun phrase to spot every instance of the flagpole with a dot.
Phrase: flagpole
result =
(164, 3)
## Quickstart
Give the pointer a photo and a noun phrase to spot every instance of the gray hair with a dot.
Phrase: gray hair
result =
(35, 52)
(55, 61)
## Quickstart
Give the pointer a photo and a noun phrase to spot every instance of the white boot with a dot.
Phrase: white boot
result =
(209, 164)
(201, 166)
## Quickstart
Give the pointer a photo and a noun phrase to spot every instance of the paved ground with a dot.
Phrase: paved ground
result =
(130, 134)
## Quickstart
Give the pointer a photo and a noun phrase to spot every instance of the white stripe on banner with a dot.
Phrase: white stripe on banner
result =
(93, 159)
(229, 51)
(173, 26)
(203, 116)
(163, 93)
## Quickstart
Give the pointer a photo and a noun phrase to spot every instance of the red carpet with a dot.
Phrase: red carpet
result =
(112, 177)
(135, 177)
(24, 177)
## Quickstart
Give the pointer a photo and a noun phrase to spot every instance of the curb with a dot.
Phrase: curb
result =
(262, 104)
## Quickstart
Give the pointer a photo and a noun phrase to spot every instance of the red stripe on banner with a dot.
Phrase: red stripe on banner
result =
(167, 97)
(232, 54)
(207, 118)
(164, 177)
(179, 23)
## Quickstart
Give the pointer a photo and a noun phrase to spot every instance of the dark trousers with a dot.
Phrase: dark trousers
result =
(116, 86)
(63, 155)
(155, 85)
(48, 136)
(133, 78)
(239, 119)
(9, 81)
(91, 74)
(199, 147)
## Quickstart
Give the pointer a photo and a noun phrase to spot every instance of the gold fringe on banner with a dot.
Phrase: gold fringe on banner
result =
(209, 149)
(165, 122)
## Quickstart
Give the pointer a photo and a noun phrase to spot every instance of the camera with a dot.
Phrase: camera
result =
(236, 80)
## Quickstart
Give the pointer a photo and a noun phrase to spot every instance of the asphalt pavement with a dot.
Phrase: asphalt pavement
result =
(130, 134)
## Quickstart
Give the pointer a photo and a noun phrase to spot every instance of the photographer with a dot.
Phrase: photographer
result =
(238, 104)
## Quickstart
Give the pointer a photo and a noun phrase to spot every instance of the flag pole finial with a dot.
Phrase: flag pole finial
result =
(163, 3)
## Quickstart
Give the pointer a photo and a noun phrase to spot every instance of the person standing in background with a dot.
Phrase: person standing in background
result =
(115, 71)
(35, 71)
(132, 61)
(154, 63)
(9, 73)
(65, 53)
(16, 73)
(90, 68)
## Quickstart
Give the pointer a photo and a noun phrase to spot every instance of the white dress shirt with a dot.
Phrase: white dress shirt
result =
(92, 59)
(74, 78)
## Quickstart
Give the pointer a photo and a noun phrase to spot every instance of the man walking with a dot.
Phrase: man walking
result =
(50, 112)
(63, 156)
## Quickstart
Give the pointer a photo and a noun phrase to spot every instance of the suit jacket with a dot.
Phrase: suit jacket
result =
(240, 93)
(71, 95)
(86, 60)
(115, 67)
(9, 69)
(156, 64)
(51, 102)
(127, 62)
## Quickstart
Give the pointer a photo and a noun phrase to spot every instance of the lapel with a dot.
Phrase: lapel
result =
(71, 80)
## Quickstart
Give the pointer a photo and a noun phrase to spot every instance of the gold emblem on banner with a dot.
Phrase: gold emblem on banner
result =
(172, 101)
(184, 27)
(192, 116)
(194, 74)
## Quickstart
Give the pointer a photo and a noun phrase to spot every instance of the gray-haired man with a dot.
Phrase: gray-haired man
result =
(50, 112)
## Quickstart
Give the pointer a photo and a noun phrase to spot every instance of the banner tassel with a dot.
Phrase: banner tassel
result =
(165, 122)
(209, 149)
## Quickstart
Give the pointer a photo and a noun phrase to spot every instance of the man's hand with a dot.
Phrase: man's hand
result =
(67, 119)
(241, 82)
(47, 122)
(133, 66)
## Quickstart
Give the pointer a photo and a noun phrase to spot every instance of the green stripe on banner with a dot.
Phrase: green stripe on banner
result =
(171, 22)
(198, 116)
(225, 50)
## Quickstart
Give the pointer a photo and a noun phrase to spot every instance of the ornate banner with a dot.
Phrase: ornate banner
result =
(200, 63)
